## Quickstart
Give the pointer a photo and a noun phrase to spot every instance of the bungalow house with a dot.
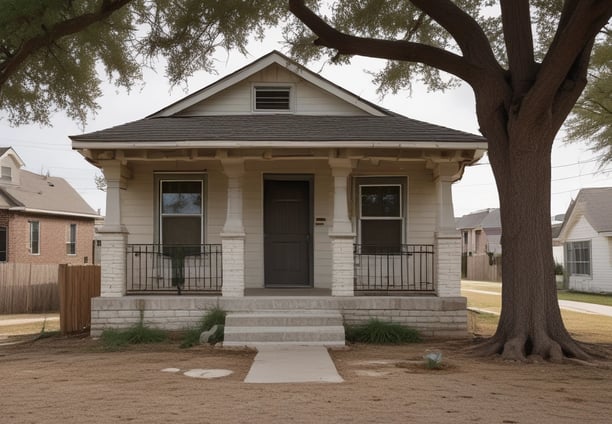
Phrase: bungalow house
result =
(586, 235)
(42, 218)
(275, 190)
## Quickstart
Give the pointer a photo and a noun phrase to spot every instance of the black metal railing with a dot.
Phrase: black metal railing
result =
(158, 268)
(397, 269)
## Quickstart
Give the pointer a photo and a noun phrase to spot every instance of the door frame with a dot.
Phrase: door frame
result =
(308, 178)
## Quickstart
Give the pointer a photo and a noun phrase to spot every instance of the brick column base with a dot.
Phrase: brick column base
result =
(232, 246)
(343, 264)
(113, 263)
(448, 264)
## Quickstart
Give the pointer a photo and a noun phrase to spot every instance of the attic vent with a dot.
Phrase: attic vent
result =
(268, 99)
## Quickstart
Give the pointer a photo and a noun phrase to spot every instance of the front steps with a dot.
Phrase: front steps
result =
(284, 327)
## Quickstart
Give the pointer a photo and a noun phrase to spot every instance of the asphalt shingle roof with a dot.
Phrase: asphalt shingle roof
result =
(281, 127)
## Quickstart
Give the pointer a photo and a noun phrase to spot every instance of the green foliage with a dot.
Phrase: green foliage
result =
(65, 72)
(558, 269)
(591, 119)
(215, 316)
(139, 334)
(381, 332)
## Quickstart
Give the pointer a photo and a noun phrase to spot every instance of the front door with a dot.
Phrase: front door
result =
(287, 233)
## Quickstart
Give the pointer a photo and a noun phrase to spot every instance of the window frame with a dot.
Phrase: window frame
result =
(31, 238)
(574, 265)
(274, 87)
(71, 240)
(4, 234)
(6, 173)
(382, 181)
(162, 177)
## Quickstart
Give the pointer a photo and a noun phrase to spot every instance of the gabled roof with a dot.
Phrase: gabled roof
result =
(595, 204)
(42, 194)
(485, 219)
(379, 127)
(9, 151)
(274, 57)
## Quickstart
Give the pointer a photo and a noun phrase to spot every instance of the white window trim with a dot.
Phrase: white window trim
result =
(289, 86)
(183, 177)
(401, 217)
(590, 262)
(69, 242)
(31, 239)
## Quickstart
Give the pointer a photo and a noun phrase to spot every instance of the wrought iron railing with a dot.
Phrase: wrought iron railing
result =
(158, 268)
(394, 269)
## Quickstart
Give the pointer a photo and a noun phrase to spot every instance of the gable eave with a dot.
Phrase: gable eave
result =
(260, 64)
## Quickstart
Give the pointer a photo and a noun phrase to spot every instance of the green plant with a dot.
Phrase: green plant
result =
(558, 268)
(113, 339)
(376, 331)
(215, 316)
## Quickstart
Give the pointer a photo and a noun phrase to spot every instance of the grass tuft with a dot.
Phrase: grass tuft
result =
(213, 317)
(113, 339)
(376, 331)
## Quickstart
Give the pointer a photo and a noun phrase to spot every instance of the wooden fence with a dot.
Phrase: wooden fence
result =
(479, 268)
(28, 288)
(77, 285)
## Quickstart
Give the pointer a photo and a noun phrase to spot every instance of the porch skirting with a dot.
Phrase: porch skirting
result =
(431, 316)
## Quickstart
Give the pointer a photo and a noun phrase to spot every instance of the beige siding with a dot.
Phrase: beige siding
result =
(138, 205)
(309, 99)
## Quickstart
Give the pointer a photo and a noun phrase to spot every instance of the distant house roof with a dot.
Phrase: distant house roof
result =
(42, 194)
(485, 219)
(595, 204)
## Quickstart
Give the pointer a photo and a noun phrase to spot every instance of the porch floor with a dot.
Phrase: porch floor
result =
(289, 291)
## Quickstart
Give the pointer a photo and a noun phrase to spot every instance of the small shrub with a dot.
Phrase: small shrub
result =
(558, 268)
(139, 334)
(213, 317)
(376, 331)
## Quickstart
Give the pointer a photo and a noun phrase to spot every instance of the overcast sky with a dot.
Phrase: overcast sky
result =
(49, 149)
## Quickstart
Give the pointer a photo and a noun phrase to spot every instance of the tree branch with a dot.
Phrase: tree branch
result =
(55, 32)
(384, 49)
(578, 27)
(516, 21)
(468, 34)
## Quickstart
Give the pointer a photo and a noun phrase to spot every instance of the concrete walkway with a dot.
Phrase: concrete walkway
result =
(28, 320)
(292, 364)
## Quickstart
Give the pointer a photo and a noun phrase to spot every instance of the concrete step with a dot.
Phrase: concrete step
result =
(284, 327)
(283, 318)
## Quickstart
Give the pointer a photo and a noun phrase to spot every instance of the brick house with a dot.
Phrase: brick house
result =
(274, 189)
(42, 218)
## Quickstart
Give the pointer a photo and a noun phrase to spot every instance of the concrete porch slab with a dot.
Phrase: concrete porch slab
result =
(292, 364)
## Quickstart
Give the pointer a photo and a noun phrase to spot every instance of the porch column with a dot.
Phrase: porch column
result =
(233, 235)
(113, 235)
(447, 251)
(341, 234)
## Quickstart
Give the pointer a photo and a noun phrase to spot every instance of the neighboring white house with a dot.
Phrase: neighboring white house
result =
(586, 235)
(274, 188)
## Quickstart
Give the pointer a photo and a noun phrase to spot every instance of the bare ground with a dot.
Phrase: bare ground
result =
(65, 380)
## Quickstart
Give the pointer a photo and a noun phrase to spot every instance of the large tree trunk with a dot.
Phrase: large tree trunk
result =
(530, 323)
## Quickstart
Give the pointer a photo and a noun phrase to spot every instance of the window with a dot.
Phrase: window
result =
(34, 238)
(578, 257)
(381, 218)
(5, 173)
(181, 211)
(71, 240)
(272, 99)
(3, 244)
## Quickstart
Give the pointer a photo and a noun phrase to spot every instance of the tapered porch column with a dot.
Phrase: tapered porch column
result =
(113, 234)
(233, 235)
(447, 238)
(341, 234)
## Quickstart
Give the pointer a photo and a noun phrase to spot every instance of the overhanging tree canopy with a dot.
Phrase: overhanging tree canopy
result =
(523, 96)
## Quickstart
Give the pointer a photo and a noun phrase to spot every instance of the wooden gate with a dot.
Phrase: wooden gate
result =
(77, 285)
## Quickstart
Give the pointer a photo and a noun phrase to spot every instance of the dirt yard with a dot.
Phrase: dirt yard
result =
(70, 380)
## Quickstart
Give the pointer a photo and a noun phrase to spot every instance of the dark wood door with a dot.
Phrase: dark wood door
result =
(287, 233)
